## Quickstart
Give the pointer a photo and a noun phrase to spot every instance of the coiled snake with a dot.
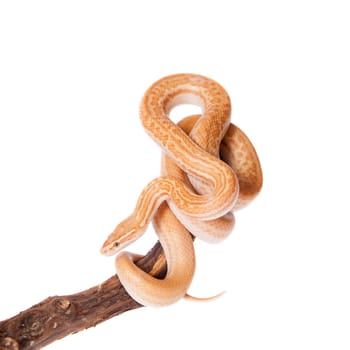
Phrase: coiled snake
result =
(209, 169)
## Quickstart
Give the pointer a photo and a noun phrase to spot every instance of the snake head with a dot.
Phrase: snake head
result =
(124, 234)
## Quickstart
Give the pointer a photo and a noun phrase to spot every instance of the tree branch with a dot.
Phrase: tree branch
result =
(59, 316)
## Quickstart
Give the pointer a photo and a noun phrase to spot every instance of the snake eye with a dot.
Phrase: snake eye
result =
(116, 244)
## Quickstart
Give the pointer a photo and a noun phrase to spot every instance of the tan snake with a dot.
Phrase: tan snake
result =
(197, 191)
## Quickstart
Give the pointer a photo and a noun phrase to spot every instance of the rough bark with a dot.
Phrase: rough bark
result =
(59, 316)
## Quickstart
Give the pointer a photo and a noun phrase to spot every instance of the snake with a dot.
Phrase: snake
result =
(209, 169)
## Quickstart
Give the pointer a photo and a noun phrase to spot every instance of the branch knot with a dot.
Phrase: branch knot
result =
(8, 344)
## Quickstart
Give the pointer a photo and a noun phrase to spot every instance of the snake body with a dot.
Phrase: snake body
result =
(196, 192)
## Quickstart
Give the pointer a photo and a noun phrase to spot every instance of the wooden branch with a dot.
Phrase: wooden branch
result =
(59, 316)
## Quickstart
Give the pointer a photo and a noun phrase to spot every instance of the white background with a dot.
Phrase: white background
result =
(74, 159)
